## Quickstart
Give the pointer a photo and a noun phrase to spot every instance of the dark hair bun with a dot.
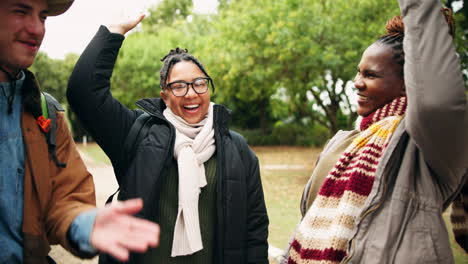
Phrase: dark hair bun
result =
(174, 52)
(395, 26)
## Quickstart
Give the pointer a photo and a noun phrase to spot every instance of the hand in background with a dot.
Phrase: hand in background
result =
(125, 26)
(116, 232)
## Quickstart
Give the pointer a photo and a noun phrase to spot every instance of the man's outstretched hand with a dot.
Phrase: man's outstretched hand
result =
(116, 232)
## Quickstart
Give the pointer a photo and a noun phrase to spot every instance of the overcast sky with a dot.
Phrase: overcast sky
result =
(71, 32)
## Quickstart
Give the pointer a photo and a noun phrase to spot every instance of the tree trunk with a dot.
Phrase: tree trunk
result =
(263, 114)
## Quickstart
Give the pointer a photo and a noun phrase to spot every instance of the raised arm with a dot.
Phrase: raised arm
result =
(437, 117)
(89, 93)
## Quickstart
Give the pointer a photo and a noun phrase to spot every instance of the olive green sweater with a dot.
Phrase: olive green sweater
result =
(168, 204)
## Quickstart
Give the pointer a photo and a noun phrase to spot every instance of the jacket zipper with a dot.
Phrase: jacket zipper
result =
(364, 215)
(220, 202)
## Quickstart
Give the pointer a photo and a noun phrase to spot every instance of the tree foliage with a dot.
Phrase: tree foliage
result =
(305, 46)
(53, 74)
(165, 13)
(277, 64)
(461, 36)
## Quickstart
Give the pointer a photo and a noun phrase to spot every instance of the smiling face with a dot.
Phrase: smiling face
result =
(21, 32)
(192, 107)
(379, 79)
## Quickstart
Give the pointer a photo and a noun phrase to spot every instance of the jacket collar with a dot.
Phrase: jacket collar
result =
(156, 106)
(152, 106)
(31, 95)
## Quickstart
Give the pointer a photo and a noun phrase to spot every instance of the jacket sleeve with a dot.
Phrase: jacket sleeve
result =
(72, 190)
(257, 217)
(437, 114)
(89, 95)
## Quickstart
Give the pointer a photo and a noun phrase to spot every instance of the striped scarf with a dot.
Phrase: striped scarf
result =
(325, 230)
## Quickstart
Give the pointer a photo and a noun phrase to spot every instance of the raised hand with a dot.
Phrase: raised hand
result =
(116, 232)
(125, 26)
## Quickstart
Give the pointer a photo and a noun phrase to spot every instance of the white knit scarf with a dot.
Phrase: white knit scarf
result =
(194, 145)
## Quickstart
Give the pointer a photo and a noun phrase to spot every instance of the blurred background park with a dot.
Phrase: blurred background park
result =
(284, 67)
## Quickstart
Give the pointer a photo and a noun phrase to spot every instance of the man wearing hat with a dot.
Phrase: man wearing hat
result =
(46, 194)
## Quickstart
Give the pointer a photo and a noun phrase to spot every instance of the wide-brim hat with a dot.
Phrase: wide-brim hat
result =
(57, 7)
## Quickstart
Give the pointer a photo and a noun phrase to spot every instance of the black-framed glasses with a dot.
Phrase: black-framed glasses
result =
(180, 88)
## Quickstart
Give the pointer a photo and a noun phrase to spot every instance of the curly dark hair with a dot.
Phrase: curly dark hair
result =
(173, 57)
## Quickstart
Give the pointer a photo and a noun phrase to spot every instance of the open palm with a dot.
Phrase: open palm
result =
(125, 26)
(117, 232)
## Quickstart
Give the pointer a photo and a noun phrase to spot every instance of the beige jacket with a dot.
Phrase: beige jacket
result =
(426, 161)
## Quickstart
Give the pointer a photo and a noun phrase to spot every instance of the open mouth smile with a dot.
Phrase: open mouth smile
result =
(191, 108)
(362, 98)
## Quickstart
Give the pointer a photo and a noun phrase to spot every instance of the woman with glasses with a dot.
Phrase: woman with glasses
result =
(199, 181)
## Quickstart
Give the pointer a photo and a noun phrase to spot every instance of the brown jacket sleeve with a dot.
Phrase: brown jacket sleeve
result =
(72, 189)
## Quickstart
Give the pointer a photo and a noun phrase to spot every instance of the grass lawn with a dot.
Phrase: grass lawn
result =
(283, 187)
(284, 171)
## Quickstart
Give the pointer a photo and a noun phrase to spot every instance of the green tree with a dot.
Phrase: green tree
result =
(165, 13)
(309, 47)
(53, 75)
(222, 4)
(461, 36)
(242, 67)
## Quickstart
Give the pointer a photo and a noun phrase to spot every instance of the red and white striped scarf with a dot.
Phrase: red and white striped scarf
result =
(325, 230)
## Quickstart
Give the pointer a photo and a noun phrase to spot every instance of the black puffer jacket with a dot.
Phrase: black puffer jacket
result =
(242, 221)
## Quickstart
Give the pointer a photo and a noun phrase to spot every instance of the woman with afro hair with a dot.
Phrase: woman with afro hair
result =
(378, 192)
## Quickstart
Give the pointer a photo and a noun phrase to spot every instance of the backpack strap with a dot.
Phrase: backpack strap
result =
(45, 110)
(137, 133)
(50, 106)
